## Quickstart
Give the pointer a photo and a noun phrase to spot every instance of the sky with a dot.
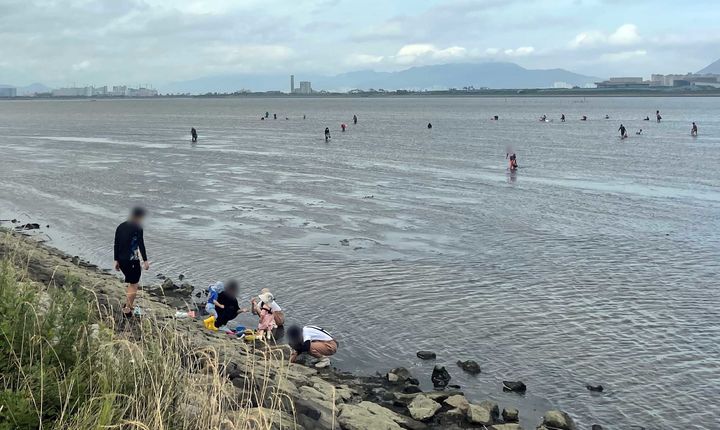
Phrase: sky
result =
(152, 42)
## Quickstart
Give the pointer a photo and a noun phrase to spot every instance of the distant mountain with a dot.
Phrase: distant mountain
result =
(438, 77)
(29, 90)
(713, 68)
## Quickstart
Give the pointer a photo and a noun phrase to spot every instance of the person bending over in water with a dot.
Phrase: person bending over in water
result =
(657, 116)
(647, 118)
(128, 250)
(314, 341)
(639, 132)
(694, 130)
(623, 131)
(513, 161)
(327, 134)
(193, 134)
(429, 126)
(584, 118)
(562, 118)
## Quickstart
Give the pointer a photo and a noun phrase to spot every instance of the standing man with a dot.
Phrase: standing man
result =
(354, 119)
(193, 134)
(623, 131)
(694, 130)
(129, 249)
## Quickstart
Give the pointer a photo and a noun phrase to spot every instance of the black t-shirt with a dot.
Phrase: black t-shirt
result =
(128, 240)
(230, 310)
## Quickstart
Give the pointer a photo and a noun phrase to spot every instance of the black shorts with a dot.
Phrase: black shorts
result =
(131, 270)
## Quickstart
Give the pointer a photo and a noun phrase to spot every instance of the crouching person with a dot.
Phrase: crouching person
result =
(226, 307)
(314, 341)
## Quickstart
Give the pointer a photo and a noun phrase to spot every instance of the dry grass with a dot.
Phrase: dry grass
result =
(66, 363)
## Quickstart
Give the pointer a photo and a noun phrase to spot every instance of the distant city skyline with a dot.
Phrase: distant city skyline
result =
(162, 41)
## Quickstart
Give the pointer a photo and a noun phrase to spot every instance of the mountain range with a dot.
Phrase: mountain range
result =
(713, 68)
(438, 77)
(495, 75)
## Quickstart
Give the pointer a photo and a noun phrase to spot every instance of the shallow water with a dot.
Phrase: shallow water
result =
(597, 262)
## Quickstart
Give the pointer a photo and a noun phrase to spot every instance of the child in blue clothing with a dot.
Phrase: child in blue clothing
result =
(214, 291)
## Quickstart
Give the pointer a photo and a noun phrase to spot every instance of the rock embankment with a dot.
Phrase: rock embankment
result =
(286, 396)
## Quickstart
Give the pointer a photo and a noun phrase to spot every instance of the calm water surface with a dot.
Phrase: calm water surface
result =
(597, 262)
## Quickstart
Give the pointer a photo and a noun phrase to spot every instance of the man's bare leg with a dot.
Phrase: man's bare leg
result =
(130, 301)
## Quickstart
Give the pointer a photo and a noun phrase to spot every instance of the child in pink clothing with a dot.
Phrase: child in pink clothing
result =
(264, 311)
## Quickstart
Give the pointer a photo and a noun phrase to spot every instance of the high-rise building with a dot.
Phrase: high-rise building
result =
(305, 87)
(8, 92)
(292, 84)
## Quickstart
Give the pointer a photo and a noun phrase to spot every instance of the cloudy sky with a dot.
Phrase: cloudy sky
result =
(61, 42)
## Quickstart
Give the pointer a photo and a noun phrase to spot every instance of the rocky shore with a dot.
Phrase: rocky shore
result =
(310, 398)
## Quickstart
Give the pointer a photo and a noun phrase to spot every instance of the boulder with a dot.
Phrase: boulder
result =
(399, 375)
(426, 355)
(186, 288)
(367, 415)
(510, 415)
(168, 285)
(596, 388)
(493, 408)
(478, 414)
(514, 386)
(412, 389)
(597, 427)
(402, 399)
(422, 408)
(511, 426)
(452, 418)
(469, 366)
(557, 420)
(440, 377)
(458, 401)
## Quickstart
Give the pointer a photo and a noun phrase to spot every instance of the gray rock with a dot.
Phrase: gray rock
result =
(426, 355)
(469, 366)
(168, 285)
(452, 418)
(422, 408)
(458, 401)
(511, 426)
(399, 375)
(596, 388)
(370, 416)
(438, 396)
(510, 415)
(558, 420)
(597, 427)
(412, 389)
(478, 414)
(514, 386)
(440, 377)
(493, 408)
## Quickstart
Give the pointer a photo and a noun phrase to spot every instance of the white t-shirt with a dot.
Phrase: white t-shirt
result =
(275, 307)
(313, 333)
